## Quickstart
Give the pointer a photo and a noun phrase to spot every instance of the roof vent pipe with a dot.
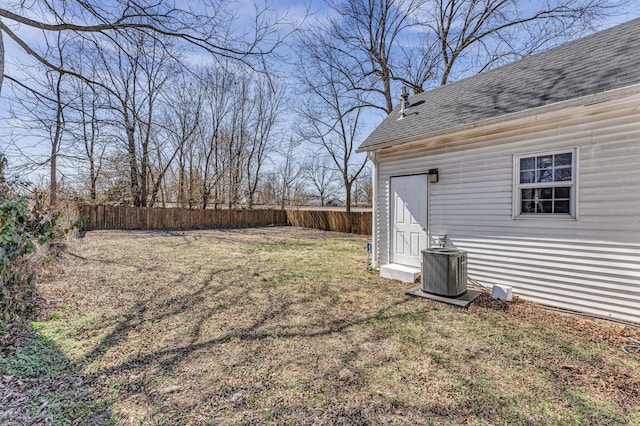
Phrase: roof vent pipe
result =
(404, 105)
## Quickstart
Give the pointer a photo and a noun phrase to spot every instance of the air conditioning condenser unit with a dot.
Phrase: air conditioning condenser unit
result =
(444, 271)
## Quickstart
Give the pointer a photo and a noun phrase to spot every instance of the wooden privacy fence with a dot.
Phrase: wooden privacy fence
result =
(329, 220)
(154, 218)
(125, 217)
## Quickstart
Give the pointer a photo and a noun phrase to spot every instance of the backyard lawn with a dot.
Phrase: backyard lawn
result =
(284, 325)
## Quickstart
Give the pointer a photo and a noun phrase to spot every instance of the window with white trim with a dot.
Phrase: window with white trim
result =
(545, 184)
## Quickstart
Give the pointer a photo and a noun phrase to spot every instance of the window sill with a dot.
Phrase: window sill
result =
(545, 217)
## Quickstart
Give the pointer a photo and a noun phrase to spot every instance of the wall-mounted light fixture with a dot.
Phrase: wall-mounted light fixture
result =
(433, 175)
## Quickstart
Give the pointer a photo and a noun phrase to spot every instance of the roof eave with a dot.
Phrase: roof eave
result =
(583, 100)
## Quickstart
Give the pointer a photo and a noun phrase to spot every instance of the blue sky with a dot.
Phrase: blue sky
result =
(295, 10)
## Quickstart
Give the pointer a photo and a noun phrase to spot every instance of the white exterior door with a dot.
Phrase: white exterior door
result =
(408, 219)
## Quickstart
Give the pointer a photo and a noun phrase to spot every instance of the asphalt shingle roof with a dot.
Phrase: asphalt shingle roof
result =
(606, 60)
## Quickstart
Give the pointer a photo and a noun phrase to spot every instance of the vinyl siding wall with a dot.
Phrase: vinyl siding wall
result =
(590, 264)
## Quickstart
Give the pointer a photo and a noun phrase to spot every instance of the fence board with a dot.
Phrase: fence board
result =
(153, 218)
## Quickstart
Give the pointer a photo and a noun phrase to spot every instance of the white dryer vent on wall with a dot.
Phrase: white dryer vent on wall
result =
(502, 292)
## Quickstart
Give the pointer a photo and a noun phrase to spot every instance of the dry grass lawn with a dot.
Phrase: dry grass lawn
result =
(284, 326)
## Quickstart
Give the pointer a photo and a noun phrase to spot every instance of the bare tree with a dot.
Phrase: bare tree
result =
(218, 106)
(383, 44)
(1, 66)
(181, 124)
(331, 111)
(237, 140)
(321, 173)
(86, 127)
(367, 34)
(268, 189)
(224, 157)
(89, 130)
(363, 192)
(289, 172)
(155, 70)
(56, 138)
(134, 41)
(474, 35)
(44, 112)
(209, 29)
(267, 106)
(184, 129)
(134, 82)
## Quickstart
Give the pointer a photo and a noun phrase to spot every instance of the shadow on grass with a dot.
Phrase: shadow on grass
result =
(39, 385)
(168, 384)
(155, 308)
(140, 371)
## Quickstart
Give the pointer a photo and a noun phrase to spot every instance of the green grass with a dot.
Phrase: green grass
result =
(285, 326)
(39, 357)
(56, 395)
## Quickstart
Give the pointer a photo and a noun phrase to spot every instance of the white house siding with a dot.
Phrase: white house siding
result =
(591, 264)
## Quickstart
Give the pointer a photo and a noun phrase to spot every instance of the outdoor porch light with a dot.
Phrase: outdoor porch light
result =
(433, 175)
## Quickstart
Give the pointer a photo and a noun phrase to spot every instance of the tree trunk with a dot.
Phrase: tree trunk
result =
(181, 179)
(53, 185)
(1, 61)
(386, 82)
(133, 162)
(347, 187)
(55, 146)
(92, 172)
(94, 192)
(144, 175)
